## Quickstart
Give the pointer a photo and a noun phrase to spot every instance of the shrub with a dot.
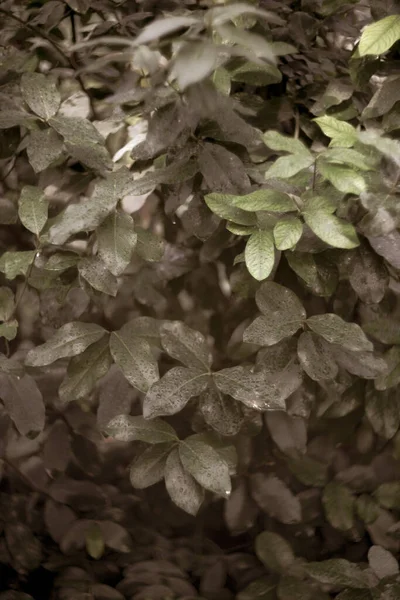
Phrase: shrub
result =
(199, 300)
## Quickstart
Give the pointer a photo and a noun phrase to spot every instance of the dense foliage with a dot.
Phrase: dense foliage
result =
(199, 301)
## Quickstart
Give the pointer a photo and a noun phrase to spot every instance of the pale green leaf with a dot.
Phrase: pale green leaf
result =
(95, 272)
(61, 261)
(116, 239)
(94, 541)
(350, 157)
(388, 495)
(338, 572)
(332, 230)
(7, 303)
(183, 489)
(338, 503)
(274, 551)
(337, 331)
(148, 468)
(32, 209)
(340, 132)
(44, 147)
(222, 81)
(186, 345)
(134, 357)
(126, 428)
(13, 264)
(206, 466)
(220, 412)
(173, 391)
(240, 229)
(71, 339)
(282, 143)
(287, 233)
(257, 74)
(85, 370)
(9, 329)
(40, 94)
(263, 199)
(378, 37)
(316, 357)
(149, 246)
(344, 179)
(220, 204)
(288, 166)
(259, 254)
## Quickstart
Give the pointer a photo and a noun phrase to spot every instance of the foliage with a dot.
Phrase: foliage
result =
(199, 300)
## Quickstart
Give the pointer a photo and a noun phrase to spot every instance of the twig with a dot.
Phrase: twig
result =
(296, 124)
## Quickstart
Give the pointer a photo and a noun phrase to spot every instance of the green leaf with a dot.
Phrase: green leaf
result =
(338, 572)
(383, 412)
(388, 495)
(85, 370)
(71, 339)
(23, 402)
(367, 509)
(318, 275)
(332, 230)
(287, 233)
(221, 413)
(220, 204)
(315, 357)
(384, 329)
(309, 471)
(194, 62)
(95, 272)
(15, 118)
(13, 264)
(344, 179)
(391, 376)
(283, 143)
(263, 199)
(7, 304)
(44, 147)
(126, 428)
(206, 466)
(183, 489)
(275, 498)
(378, 37)
(61, 261)
(148, 468)
(173, 391)
(32, 209)
(240, 229)
(283, 315)
(338, 503)
(40, 94)
(349, 157)
(9, 330)
(134, 357)
(186, 345)
(116, 239)
(95, 545)
(341, 133)
(149, 246)
(259, 254)
(257, 74)
(222, 81)
(288, 166)
(382, 562)
(336, 331)
(274, 551)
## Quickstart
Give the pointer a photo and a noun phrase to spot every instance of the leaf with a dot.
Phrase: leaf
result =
(23, 402)
(221, 14)
(263, 588)
(44, 147)
(126, 428)
(183, 489)
(263, 199)
(388, 495)
(315, 357)
(367, 509)
(350, 157)
(283, 143)
(336, 331)
(341, 133)
(338, 572)
(291, 588)
(383, 412)
(287, 233)
(162, 27)
(274, 551)
(363, 364)
(9, 330)
(13, 264)
(194, 62)
(206, 466)
(85, 370)
(71, 339)
(283, 315)
(344, 179)
(7, 304)
(259, 254)
(338, 503)
(378, 37)
(173, 391)
(275, 498)
(40, 94)
(257, 74)
(116, 397)
(368, 275)
(384, 330)
(382, 562)
(148, 468)
(384, 98)
(32, 209)
(222, 170)
(220, 204)
(289, 433)
(134, 357)
(288, 166)
(94, 541)
(309, 471)
(317, 274)
(15, 118)
(186, 345)
(332, 230)
(95, 272)
(116, 240)
(220, 413)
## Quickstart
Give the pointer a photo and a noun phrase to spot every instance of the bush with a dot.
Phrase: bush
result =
(199, 298)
